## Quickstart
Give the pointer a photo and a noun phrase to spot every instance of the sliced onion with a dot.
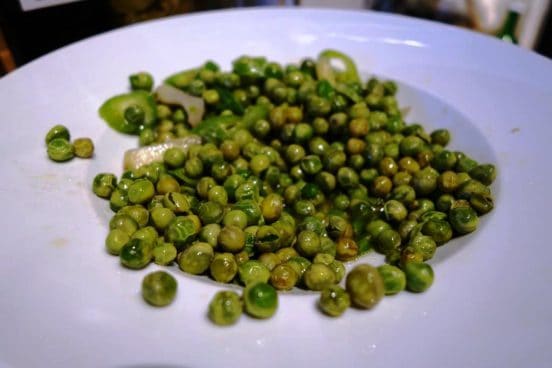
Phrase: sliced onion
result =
(194, 106)
(138, 157)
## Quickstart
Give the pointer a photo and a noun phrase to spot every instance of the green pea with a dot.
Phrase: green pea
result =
(211, 212)
(304, 208)
(463, 219)
(231, 239)
(235, 218)
(311, 164)
(424, 181)
(164, 254)
(283, 277)
(225, 308)
(148, 234)
(439, 230)
(218, 194)
(115, 241)
(440, 136)
(159, 288)
(174, 157)
(347, 178)
(104, 184)
(346, 249)
(141, 81)
(424, 245)
(485, 173)
(167, 184)
(318, 276)
(394, 280)
(259, 163)
(118, 200)
(267, 239)
(375, 227)
(419, 276)
(181, 231)
(136, 254)
(123, 222)
(134, 116)
(83, 147)
(308, 243)
(223, 267)
(365, 286)
(251, 209)
(196, 259)
(138, 213)
(57, 131)
(271, 207)
(141, 191)
(411, 145)
(260, 300)
(60, 149)
(209, 234)
(334, 301)
(247, 191)
(162, 217)
(395, 210)
(444, 160)
(253, 271)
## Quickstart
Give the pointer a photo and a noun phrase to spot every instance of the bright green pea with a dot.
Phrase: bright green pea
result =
(159, 288)
(267, 239)
(104, 184)
(235, 218)
(164, 254)
(115, 240)
(225, 308)
(141, 81)
(136, 254)
(60, 149)
(419, 276)
(181, 231)
(424, 245)
(147, 234)
(174, 157)
(253, 271)
(211, 212)
(162, 217)
(123, 222)
(463, 219)
(394, 280)
(141, 191)
(138, 213)
(261, 300)
(57, 131)
(209, 234)
(176, 202)
(308, 243)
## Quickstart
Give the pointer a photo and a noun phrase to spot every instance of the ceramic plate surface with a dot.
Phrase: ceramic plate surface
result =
(64, 302)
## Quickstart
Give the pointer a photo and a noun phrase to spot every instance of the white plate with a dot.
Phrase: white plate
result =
(65, 302)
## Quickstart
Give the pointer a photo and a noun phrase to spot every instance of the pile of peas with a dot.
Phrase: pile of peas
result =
(296, 175)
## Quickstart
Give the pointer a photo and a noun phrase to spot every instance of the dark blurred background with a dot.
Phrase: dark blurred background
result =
(32, 28)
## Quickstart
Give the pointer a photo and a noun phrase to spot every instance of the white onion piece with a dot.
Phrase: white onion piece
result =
(194, 106)
(138, 157)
